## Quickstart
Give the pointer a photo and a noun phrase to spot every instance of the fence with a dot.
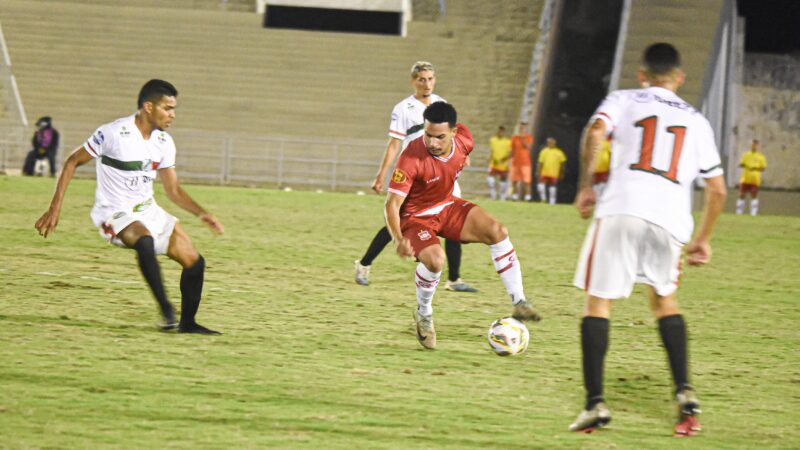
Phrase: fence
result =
(268, 161)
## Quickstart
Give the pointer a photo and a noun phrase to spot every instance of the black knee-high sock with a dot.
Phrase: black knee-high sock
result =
(594, 343)
(453, 251)
(146, 252)
(673, 335)
(381, 239)
(191, 290)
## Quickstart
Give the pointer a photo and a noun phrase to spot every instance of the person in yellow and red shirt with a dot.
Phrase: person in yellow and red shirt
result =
(500, 154)
(753, 163)
(521, 144)
(602, 163)
(551, 170)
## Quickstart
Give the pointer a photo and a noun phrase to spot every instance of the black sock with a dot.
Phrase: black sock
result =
(453, 251)
(673, 335)
(191, 290)
(381, 240)
(146, 252)
(594, 343)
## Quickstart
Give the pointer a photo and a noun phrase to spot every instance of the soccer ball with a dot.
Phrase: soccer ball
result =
(508, 336)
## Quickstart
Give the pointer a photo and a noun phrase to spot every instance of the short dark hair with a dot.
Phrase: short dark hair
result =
(153, 90)
(441, 112)
(661, 58)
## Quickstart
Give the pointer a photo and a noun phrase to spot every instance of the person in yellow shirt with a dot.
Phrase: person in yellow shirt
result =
(500, 148)
(601, 168)
(753, 163)
(551, 170)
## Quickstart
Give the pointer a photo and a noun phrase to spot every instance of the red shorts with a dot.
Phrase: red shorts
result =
(548, 180)
(422, 231)
(599, 177)
(498, 172)
(521, 173)
(747, 187)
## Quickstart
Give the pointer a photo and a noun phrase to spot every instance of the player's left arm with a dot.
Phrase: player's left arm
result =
(593, 136)
(174, 191)
(699, 250)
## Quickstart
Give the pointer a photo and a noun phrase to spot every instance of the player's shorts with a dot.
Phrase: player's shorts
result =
(159, 222)
(422, 231)
(620, 251)
(747, 187)
(521, 173)
(599, 177)
(548, 180)
(498, 172)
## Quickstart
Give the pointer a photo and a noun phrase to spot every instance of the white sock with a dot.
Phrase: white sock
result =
(507, 266)
(503, 190)
(542, 196)
(492, 192)
(553, 195)
(740, 206)
(426, 286)
(753, 207)
(527, 197)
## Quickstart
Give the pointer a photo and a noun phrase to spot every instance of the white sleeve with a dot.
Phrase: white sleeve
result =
(708, 158)
(397, 127)
(610, 110)
(168, 160)
(99, 141)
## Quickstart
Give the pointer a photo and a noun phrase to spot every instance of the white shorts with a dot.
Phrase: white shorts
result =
(620, 251)
(159, 222)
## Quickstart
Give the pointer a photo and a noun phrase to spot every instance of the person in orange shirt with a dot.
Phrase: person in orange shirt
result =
(521, 144)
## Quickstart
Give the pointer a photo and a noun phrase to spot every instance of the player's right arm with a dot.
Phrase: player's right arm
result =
(49, 220)
(392, 149)
(592, 140)
(392, 213)
(699, 250)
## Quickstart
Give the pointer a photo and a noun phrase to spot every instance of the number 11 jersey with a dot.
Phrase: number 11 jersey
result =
(661, 144)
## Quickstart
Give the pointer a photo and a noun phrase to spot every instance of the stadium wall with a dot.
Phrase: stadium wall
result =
(770, 112)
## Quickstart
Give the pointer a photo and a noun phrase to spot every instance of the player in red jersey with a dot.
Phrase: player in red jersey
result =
(420, 206)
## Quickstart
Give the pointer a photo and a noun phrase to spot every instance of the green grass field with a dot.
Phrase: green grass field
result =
(311, 360)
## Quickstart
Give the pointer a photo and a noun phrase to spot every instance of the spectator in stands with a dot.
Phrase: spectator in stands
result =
(45, 145)
(753, 163)
(521, 144)
(551, 170)
(500, 154)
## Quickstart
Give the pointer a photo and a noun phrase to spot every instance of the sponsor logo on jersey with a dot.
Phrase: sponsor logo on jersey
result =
(424, 235)
(432, 180)
(399, 176)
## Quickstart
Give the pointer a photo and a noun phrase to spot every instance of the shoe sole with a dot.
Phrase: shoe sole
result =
(600, 423)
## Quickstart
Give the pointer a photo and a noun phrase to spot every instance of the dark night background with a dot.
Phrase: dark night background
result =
(773, 26)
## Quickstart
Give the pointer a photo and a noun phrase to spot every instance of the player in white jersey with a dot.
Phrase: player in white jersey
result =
(643, 219)
(405, 126)
(129, 153)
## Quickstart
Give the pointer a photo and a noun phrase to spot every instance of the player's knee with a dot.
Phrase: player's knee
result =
(145, 247)
(434, 260)
(497, 232)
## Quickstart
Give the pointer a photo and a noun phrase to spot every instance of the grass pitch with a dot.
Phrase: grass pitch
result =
(311, 360)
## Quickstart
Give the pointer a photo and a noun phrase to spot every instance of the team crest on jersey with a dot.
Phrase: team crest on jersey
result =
(124, 132)
(162, 138)
(424, 235)
(398, 176)
(98, 138)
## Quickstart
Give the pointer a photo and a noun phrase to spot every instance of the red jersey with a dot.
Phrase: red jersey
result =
(427, 181)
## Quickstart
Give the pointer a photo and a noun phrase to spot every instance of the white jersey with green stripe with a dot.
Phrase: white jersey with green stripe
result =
(126, 166)
(407, 121)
